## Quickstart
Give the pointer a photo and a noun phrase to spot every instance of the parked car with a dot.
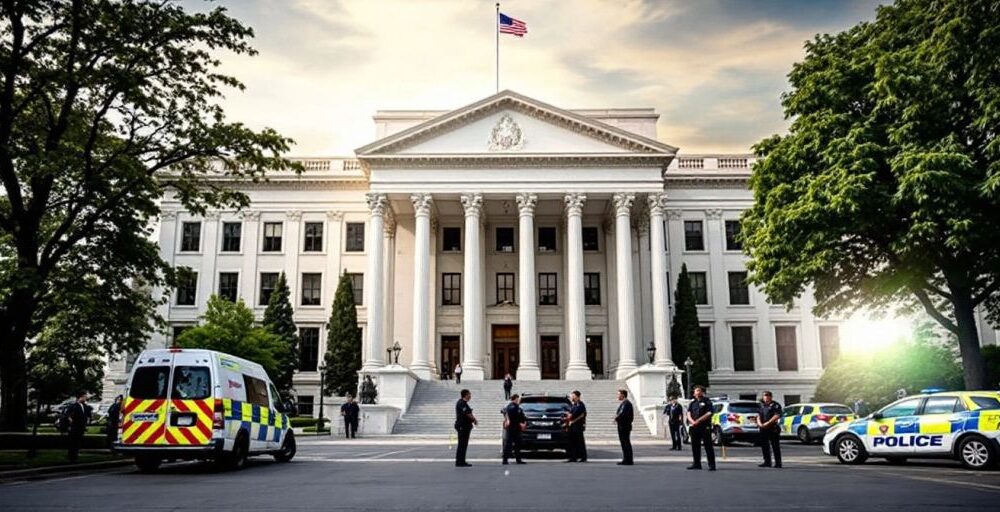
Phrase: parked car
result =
(545, 415)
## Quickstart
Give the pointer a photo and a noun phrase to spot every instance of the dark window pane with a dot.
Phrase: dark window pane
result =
(451, 289)
(788, 360)
(590, 239)
(231, 234)
(311, 286)
(187, 289)
(256, 390)
(305, 405)
(505, 239)
(546, 239)
(505, 288)
(355, 241)
(272, 237)
(190, 236)
(313, 241)
(308, 349)
(548, 290)
(229, 285)
(451, 239)
(358, 287)
(191, 383)
(268, 280)
(694, 238)
(733, 241)
(149, 382)
(699, 285)
(592, 289)
(792, 399)
(706, 343)
(829, 343)
(742, 348)
(739, 293)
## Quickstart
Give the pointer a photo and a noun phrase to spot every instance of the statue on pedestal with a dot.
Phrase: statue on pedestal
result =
(368, 391)
(673, 387)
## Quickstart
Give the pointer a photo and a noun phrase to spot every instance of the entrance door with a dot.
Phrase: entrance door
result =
(506, 355)
(595, 355)
(450, 355)
(550, 357)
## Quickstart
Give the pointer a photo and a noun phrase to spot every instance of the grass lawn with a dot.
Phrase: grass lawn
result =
(17, 459)
(49, 429)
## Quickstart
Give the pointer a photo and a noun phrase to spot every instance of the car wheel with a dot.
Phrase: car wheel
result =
(803, 434)
(896, 460)
(850, 450)
(147, 464)
(287, 448)
(975, 453)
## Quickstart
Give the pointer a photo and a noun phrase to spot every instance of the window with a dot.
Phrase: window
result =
(835, 409)
(313, 237)
(358, 287)
(231, 234)
(793, 399)
(591, 289)
(905, 408)
(546, 239)
(694, 237)
(256, 390)
(747, 409)
(187, 288)
(305, 405)
(505, 239)
(190, 236)
(733, 241)
(308, 349)
(311, 285)
(941, 405)
(179, 329)
(548, 293)
(191, 383)
(806, 409)
(699, 285)
(705, 332)
(355, 238)
(739, 293)
(788, 359)
(505, 287)
(149, 382)
(451, 239)
(451, 289)
(590, 239)
(829, 344)
(985, 402)
(742, 348)
(229, 283)
(268, 281)
(272, 237)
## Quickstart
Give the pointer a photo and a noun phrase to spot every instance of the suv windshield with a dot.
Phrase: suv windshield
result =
(149, 382)
(835, 409)
(545, 406)
(744, 408)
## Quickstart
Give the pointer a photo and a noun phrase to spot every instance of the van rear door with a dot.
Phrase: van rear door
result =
(144, 412)
(189, 419)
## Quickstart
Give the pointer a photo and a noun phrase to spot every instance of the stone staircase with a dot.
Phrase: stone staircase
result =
(432, 408)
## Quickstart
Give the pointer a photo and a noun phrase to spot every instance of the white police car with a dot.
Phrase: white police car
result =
(963, 425)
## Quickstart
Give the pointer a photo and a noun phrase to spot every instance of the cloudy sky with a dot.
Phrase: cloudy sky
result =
(713, 69)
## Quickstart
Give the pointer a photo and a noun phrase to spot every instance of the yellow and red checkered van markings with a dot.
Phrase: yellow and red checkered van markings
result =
(143, 432)
(198, 433)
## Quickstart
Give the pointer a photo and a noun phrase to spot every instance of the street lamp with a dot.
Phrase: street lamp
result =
(688, 363)
(396, 349)
(388, 355)
(651, 352)
(322, 383)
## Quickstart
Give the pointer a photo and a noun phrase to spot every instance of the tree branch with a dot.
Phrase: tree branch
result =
(932, 310)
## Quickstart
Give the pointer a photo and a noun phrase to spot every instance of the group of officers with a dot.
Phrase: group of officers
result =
(698, 418)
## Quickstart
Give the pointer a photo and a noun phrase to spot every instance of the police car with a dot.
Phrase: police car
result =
(809, 422)
(963, 425)
(734, 421)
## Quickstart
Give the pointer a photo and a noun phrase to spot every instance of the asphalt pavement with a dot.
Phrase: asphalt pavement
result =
(419, 474)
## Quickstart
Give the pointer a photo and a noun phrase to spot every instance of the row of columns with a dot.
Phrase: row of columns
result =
(474, 320)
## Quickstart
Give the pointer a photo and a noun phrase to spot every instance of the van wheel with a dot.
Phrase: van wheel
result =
(850, 450)
(975, 452)
(236, 459)
(147, 464)
(287, 448)
(803, 434)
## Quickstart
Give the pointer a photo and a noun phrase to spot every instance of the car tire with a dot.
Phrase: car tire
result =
(237, 459)
(287, 448)
(975, 452)
(803, 435)
(850, 450)
(896, 461)
(147, 464)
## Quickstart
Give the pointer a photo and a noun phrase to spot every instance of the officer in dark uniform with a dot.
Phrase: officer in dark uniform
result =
(623, 418)
(351, 413)
(79, 415)
(514, 423)
(700, 428)
(464, 420)
(576, 423)
(770, 433)
(675, 419)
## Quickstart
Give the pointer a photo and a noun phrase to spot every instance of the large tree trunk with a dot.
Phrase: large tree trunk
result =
(968, 341)
(15, 323)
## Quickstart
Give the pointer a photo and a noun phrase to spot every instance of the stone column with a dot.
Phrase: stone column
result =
(374, 334)
(421, 282)
(625, 284)
(249, 248)
(473, 325)
(528, 368)
(576, 323)
(658, 273)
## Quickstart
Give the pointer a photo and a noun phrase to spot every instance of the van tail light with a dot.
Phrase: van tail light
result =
(823, 417)
(218, 418)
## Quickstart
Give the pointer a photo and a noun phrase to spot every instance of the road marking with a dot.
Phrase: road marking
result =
(976, 485)
(384, 458)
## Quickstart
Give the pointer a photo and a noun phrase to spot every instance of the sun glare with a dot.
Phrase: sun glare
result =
(864, 334)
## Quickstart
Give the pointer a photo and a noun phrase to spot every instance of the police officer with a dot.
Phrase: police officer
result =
(623, 418)
(770, 434)
(464, 420)
(675, 418)
(576, 423)
(514, 423)
(699, 418)
(351, 413)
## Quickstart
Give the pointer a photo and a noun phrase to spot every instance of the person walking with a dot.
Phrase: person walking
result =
(464, 421)
(78, 416)
(675, 419)
(351, 412)
(458, 373)
(508, 384)
(514, 423)
(576, 423)
(770, 435)
(699, 418)
(623, 418)
(111, 430)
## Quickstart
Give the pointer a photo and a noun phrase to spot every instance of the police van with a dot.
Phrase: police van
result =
(963, 425)
(189, 404)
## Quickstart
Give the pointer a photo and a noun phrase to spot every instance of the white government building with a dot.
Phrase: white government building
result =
(513, 236)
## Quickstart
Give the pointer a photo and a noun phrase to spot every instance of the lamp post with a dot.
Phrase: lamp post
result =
(688, 363)
(322, 383)
(396, 349)
(651, 352)
(388, 355)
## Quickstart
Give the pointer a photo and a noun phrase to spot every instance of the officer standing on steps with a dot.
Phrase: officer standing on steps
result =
(699, 428)
(576, 423)
(514, 423)
(770, 435)
(675, 418)
(464, 420)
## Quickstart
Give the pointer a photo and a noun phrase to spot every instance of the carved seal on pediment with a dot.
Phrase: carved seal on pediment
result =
(506, 135)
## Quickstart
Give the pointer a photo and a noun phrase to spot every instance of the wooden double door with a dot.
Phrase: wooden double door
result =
(506, 350)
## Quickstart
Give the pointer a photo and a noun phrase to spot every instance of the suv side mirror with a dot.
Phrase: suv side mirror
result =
(876, 415)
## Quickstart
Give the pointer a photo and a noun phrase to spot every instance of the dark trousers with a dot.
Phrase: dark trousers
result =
(675, 435)
(770, 440)
(463, 445)
(702, 437)
(351, 426)
(512, 444)
(75, 442)
(625, 438)
(111, 435)
(458, 378)
(506, 392)
(577, 446)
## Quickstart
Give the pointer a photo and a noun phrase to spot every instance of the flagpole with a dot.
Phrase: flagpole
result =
(496, 25)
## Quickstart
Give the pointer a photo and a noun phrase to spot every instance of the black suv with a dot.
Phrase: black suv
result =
(545, 422)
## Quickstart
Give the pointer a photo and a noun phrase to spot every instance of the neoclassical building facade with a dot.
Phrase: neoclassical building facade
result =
(510, 236)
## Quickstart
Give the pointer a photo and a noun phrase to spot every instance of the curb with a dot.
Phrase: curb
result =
(64, 468)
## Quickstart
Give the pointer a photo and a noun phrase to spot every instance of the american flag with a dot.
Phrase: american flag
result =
(513, 26)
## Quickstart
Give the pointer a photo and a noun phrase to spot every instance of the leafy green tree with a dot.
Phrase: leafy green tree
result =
(229, 327)
(886, 190)
(343, 342)
(278, 320)
(105, 107)
(685, 331)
